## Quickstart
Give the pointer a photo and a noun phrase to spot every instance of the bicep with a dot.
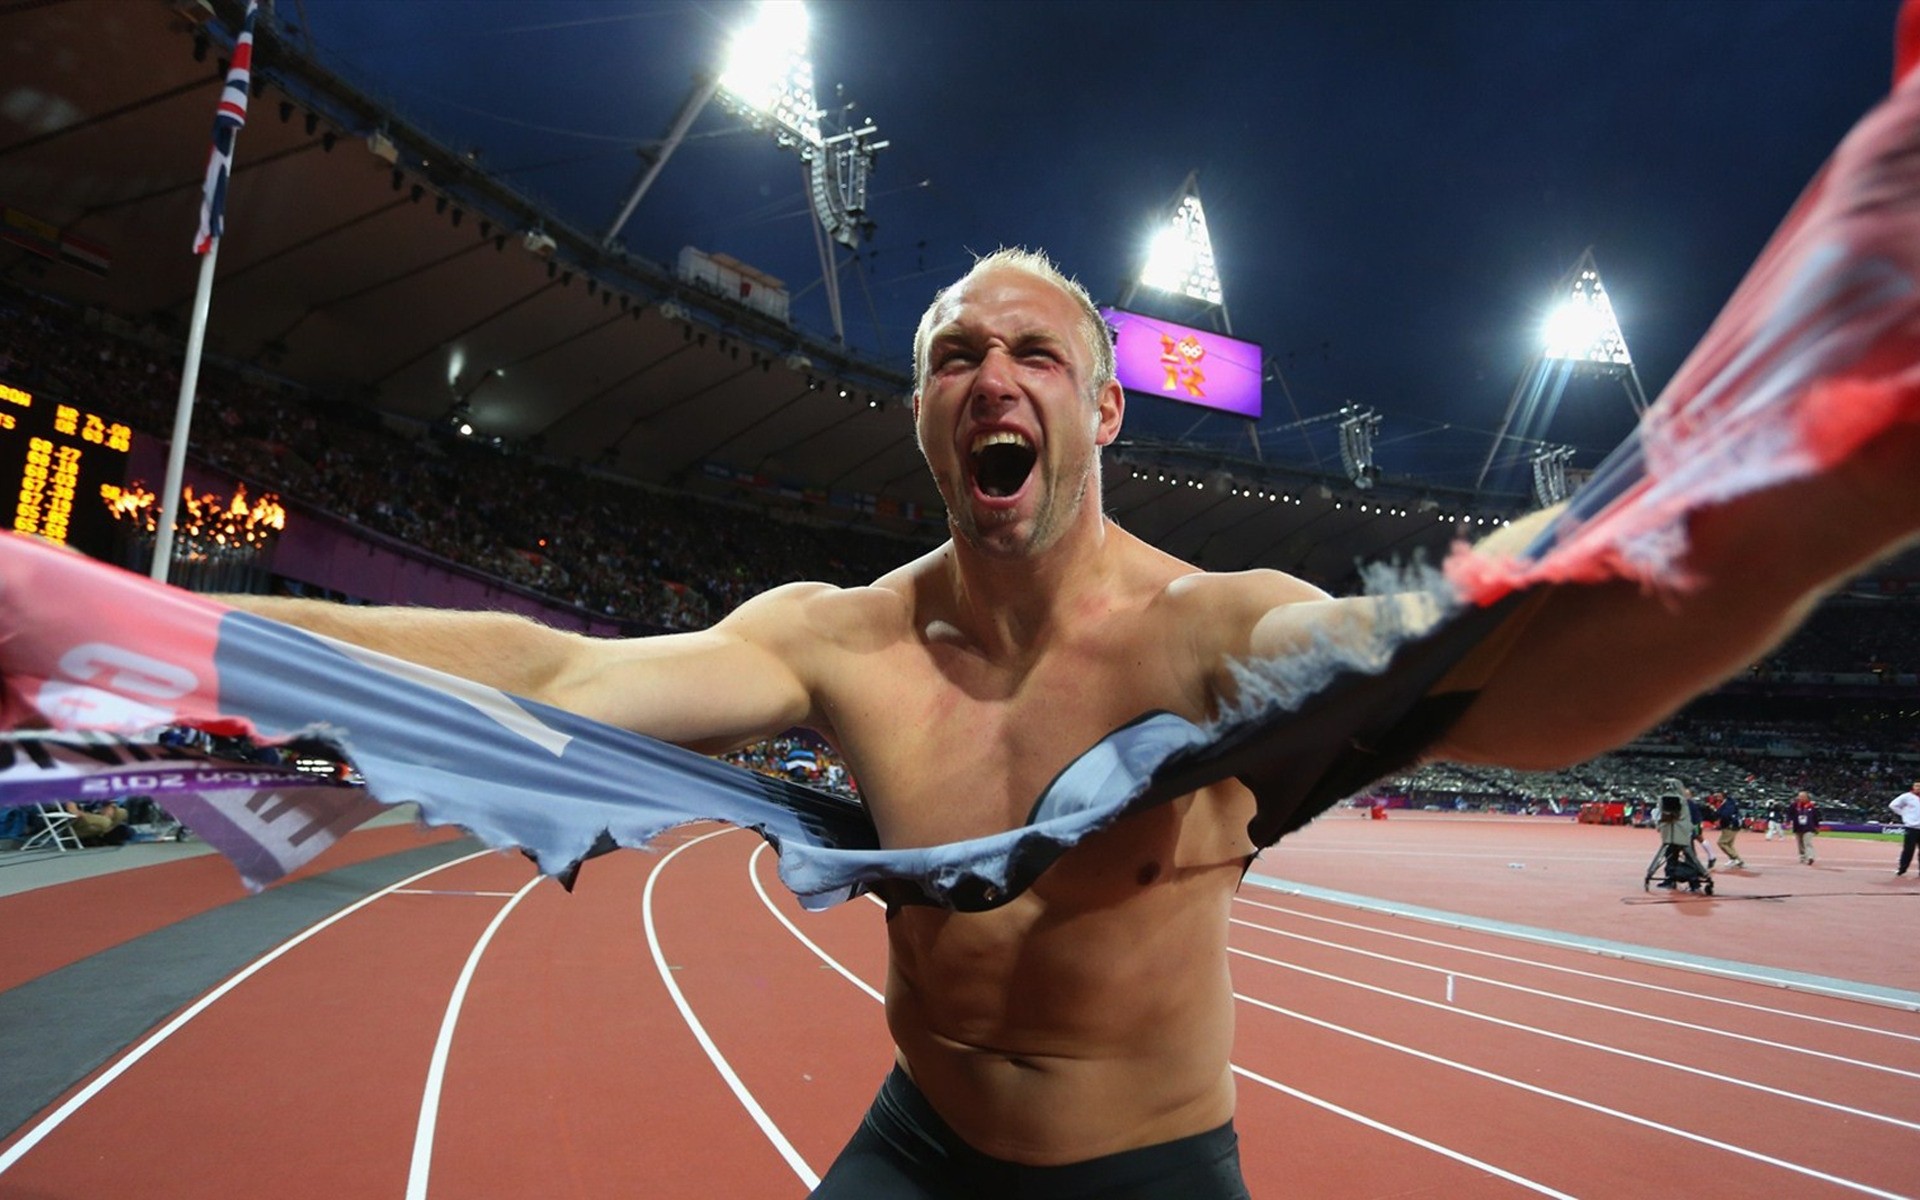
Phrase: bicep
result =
(1355, 625)
(1247, 616)
(710, 690)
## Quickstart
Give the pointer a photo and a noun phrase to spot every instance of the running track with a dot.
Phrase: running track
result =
(677, 1027)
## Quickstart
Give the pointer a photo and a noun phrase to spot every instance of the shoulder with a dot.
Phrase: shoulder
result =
(1221, 612)
(797, 614)
(1257, 591)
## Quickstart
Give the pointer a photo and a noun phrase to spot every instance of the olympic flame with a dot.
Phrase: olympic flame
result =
(128, 503)
(208, 524)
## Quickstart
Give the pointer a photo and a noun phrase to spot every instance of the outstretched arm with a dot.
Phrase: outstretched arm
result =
(1596, 665)
(501, 650)
(1583, 668)
(740, 680)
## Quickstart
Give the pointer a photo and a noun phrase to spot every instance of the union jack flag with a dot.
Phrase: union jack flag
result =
(227, 120)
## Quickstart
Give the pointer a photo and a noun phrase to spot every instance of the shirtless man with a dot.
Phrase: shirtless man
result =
(1076, 1040)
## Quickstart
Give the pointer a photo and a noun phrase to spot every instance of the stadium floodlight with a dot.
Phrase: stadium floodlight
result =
(768, 77)
(1582, 327)
(1580, 337)
(767, 80)
(1180, 256)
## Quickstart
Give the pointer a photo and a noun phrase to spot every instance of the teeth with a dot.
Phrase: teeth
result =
(1000, 437)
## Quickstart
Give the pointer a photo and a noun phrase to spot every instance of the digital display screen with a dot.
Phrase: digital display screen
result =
(1194, 366)
(57, 456)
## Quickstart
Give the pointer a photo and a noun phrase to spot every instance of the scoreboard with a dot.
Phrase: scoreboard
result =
(55, 457)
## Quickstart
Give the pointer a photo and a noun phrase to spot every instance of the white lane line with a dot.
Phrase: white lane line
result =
(437, 1067)
(1577, 972)
(1583, 1043)
(1846, 989)
(720, 1064)
(1403, 1135)
(753, 874)
(450, 892)
(1327, 1105)
(1575, 1101)
(1612, 1009)
(59, 1115)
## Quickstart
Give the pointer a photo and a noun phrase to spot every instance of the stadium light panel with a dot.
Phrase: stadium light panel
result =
(1180, 256)
(768, 73)
(1583, 328)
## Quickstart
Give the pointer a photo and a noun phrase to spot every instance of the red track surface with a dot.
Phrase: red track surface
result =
(122, 906)
(1380, 1056)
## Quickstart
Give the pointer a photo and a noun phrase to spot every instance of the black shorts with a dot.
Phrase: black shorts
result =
(904, 1151)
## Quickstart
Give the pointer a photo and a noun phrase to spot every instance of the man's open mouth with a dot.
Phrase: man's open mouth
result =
(1001, 462)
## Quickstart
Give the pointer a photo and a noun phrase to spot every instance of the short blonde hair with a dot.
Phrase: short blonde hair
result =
(1093, 327)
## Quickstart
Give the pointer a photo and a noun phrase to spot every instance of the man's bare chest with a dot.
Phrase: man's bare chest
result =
(946, 744)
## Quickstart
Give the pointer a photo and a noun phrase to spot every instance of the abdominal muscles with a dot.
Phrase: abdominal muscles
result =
(1093, 1014)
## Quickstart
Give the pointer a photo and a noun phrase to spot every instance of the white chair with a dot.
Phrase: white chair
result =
(56, 830)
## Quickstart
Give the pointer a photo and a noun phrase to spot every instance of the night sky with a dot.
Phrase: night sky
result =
(1393, 188)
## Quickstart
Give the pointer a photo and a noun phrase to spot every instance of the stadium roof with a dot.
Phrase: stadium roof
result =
(412, 285)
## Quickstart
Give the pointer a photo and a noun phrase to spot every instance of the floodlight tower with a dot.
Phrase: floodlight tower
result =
(1179, 259)
(768, 80)
(1180, 268)
(1580, 338)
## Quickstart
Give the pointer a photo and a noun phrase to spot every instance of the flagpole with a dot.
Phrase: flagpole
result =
(183, 417)
(228, 116)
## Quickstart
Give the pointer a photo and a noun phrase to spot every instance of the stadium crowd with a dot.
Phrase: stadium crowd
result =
(650, 558)
(1827, 759)
(658, 561)
(1853, 635)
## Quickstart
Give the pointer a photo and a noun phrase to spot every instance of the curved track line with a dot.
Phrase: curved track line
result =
(1326, 1105)
(1576, 1101)
(1583, 1043)
(753, 874)
(437, 1068)
(59, 1116)
(1576, 971)
(720, 1064)
(1612, 1009)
